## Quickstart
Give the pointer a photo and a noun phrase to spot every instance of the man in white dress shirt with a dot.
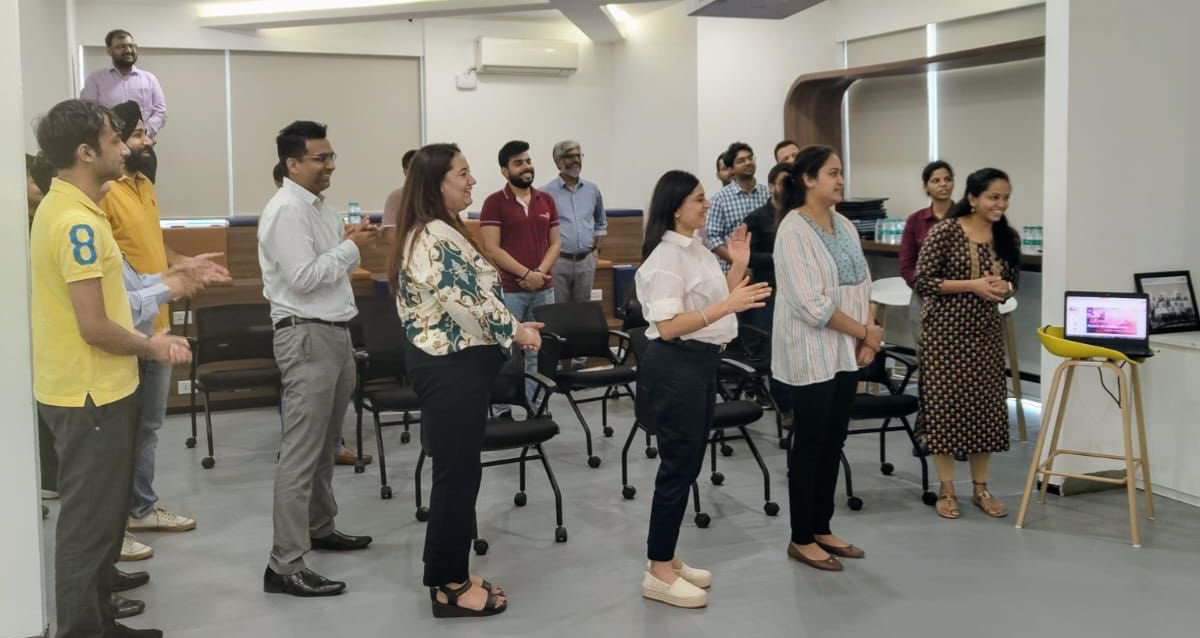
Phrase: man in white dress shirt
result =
(306, 255)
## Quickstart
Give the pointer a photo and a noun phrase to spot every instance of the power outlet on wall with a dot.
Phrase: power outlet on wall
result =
(180, 317)
(597, 294)
(185, 387)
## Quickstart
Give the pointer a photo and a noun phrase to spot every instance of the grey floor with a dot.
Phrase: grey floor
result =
(1071, 572)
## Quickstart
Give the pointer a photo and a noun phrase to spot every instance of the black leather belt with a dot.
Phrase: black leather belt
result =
(579, 257)
(702, 346)
(295, 321)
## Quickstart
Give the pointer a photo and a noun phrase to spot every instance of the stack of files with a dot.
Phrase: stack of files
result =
(863, 212)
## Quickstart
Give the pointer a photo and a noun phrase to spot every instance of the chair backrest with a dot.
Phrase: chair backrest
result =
(383, 336)
(752, 345)
(508, 387)
(891, 291)
(581, 323)
(234, 332)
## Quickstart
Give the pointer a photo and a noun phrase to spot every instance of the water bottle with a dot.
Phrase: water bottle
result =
(353, 213)
(1037, 240)
(879, 232)
(1027, 240)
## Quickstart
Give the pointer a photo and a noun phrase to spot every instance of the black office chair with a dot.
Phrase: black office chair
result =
(751, 348)
(579, 329)
(893, 405)
(233, 333)
(502, 434)
(382, 380)
(728, 414)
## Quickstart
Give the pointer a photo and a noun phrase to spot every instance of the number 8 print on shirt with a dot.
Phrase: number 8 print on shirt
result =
(83, 238)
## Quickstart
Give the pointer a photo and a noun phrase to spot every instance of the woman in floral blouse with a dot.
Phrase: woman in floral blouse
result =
(459, 332)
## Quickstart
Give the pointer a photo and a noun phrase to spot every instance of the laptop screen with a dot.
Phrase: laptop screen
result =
(1106, 317)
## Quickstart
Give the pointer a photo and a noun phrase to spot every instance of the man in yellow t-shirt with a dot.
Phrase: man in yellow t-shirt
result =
(85, 362)
(132, 209)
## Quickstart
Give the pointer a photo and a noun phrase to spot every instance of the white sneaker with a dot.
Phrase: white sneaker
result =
(161, 520)
(701, 578)
(132, 549)
(680, 593)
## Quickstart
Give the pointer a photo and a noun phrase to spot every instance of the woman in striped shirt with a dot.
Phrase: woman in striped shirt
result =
(823, 332)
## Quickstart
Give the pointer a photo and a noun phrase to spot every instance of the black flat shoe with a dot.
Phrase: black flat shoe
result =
(304, 583)
(125, 581)
(339, 542)
(450, 608)
(121, 631)
(123, 607)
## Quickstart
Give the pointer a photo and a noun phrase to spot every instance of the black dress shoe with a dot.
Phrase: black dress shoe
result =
(339, 542)
(121, 631)
(304, 583)
(125, 607)
(125, 581)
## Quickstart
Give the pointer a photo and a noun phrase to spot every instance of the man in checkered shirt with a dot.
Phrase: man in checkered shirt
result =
(735, 201)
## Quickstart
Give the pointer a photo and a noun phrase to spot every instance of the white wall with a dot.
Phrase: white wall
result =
(854, 19)
(1118, 170)
(45, 63)
(653, 107)
(539, 110)
(22, 604)
(744, 70)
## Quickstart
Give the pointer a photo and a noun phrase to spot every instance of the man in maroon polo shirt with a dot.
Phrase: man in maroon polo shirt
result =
(519, 227)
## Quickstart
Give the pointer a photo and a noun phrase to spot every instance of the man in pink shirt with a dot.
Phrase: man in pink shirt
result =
(122, 82)
(391, 207)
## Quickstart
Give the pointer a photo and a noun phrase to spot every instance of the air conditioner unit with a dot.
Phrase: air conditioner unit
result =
(526, 57)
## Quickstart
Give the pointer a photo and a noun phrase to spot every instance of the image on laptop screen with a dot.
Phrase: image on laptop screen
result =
(1106, 317)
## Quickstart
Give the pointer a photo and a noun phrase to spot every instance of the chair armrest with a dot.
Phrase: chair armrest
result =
(623, 346)
(909, 361)
(546, 382)
(362, 355)
(548, 355)
(739, 367)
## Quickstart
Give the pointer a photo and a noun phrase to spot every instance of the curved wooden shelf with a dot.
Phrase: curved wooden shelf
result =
(812, 112)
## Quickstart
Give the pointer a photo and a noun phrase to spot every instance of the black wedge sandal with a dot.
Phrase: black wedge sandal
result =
(450, 608)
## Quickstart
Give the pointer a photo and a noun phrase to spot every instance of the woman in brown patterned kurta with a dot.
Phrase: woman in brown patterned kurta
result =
(968, 265)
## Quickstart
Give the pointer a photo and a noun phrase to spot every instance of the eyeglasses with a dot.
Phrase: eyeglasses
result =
(325, 158)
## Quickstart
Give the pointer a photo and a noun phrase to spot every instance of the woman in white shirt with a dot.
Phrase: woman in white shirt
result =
(690, 306)
(458, 332)
(822, 333)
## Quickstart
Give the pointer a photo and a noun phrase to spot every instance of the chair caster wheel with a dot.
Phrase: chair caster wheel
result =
(385, 492)
(190, 442)
(481, 547)
(593, 462)
(405, 437)
(422, 514)
(726, 450)
(887, 469)
(519, 499)
(929, 498)
(702, 520)
(207, 462)
(651, 452)
(560, 535)
(771, 508)
(629, 492)
(360, 467)
(962, 458)
(608, 431)
(718, 478)
(783, 444)
(854, 503)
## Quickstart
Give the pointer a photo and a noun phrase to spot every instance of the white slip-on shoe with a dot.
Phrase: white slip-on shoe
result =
(161, 520)
(680, 593)
(132, 549)
(701, 578)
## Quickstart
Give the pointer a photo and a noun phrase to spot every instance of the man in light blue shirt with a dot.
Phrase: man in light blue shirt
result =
(581, 224)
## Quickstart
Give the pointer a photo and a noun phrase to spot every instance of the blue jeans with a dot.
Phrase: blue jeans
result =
(153, 390)
(521, 305)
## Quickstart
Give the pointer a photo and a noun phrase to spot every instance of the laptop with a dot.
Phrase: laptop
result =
(1116, 320)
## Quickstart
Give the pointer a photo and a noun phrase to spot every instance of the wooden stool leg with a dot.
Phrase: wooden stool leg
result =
(1144, 451)
(1010, 340)
(1058, 420)
(1047, 411)
(1130, 467)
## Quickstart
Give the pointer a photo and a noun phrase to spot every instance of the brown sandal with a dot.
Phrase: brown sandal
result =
(990, 505)
(947, 506)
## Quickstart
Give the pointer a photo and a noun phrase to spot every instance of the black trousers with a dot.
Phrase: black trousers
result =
(677, 389)
(455, 391)
(95, 480)
(820, 418)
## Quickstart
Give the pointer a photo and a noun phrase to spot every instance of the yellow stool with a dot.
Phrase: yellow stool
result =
(1079, 355)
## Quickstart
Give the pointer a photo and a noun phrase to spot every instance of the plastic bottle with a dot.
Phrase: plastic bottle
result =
(353, 213)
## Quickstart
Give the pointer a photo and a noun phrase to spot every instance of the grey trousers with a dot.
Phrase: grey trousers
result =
(317, 363)
(95, 451)
(573, 279)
